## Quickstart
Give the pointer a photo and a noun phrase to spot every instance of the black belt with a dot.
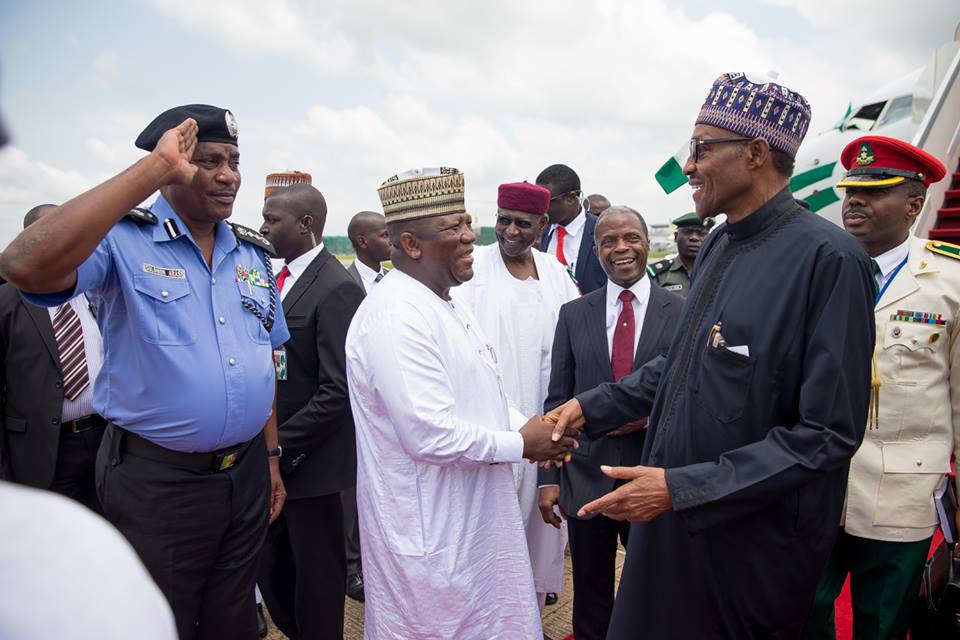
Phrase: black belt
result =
(219, 460)
(83, 424)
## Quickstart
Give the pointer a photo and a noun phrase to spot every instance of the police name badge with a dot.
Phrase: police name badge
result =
(280, 362)
(166, 272)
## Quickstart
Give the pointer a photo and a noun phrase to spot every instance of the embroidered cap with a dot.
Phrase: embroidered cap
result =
(422, 193)
(758, 110)
(285, 179)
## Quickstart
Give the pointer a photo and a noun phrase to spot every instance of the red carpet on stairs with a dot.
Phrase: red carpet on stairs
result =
(947, 225)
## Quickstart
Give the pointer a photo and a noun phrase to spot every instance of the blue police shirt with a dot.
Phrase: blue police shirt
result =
(185, 364)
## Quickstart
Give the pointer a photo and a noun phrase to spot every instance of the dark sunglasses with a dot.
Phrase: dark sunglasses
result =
(696, 144)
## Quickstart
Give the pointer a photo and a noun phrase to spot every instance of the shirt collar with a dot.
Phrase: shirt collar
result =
(170, 226)
(299, 264)
(889, 260)
(640, 289)
(368, 274)
(575, 226)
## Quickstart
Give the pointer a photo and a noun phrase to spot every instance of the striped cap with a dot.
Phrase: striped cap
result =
(285, 179)
(760, 109)
(422, 193)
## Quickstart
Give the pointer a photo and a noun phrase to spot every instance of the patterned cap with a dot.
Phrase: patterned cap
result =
(422, 193)
(759, 110)
(285, 179)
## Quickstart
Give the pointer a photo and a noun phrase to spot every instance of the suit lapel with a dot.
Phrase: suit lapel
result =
(586, 247)
(306, 279)
(653, 328)
(597, 330)
(41, 319)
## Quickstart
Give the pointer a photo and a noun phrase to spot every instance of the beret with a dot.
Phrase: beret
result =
(214, 125)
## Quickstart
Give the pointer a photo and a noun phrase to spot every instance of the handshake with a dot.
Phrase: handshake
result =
(550, 438)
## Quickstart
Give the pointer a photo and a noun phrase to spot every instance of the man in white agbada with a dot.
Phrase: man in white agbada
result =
(443, 549)
(516, 294)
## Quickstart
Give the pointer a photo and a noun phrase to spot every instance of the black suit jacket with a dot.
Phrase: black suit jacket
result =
(581, 361)
(588, 272)
(313, 409)
(32, 391)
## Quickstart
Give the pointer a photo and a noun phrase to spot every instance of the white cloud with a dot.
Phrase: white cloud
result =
(108, 70)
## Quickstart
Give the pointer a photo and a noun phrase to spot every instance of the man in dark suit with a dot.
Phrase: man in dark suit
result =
(49, 432)
(601, 337)
(368, 235)
(303, 568)
(569, 236)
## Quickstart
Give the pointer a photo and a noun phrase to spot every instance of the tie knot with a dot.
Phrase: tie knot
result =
(626, 295)
(284, 272)
(561, 231)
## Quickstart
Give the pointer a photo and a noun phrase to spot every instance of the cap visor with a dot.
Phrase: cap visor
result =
(870, 182)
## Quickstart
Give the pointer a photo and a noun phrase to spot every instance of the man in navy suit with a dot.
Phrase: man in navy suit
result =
(600, 338)
(569, 236)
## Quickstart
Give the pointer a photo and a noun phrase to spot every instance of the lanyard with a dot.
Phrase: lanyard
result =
(893, 274)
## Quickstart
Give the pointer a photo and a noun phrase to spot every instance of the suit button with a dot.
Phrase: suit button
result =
(58, 384)
(54, 420)
(919, 462)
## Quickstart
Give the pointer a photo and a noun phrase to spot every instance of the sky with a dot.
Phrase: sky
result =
(356, 91)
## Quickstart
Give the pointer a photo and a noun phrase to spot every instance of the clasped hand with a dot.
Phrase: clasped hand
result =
(542, 442)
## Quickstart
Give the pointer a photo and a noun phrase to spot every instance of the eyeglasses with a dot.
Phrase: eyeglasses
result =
(504, 221)
(565, 193)
(696, 144)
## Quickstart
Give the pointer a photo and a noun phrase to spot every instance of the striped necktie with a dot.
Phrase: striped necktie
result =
(73, 359)
(378, 278)
(877, 275)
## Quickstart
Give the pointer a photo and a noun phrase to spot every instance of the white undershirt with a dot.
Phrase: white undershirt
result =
(571, 241)
(82, 405)
(641, 296)
(297, 266)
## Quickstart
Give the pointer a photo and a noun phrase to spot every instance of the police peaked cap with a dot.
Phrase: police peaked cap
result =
(214, 125)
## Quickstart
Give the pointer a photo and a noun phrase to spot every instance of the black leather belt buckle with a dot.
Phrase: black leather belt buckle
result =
(80, 425)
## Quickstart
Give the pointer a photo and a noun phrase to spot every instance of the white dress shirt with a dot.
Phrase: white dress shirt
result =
(82, 405)
(641, 296)
(367, 275)
(296, 267)
(889, 260)
(571, 242)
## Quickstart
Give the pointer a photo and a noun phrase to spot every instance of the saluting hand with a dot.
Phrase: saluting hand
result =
(176, 148)
(642, 499)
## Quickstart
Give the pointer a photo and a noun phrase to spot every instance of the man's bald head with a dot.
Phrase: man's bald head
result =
(363, 222)
(370, 239)
(304, 200)
(36, 213)
(598, 203)
(293, 219)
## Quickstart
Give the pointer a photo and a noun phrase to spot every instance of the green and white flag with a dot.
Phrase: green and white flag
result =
(670, 175)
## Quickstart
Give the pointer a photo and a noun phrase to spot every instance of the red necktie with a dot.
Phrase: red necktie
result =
(622, 359)
(561, 234)
(282, 277)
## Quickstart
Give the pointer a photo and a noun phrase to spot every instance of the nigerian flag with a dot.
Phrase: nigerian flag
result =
(670, 175)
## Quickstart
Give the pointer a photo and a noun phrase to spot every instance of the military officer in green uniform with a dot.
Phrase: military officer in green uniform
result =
(673, 274)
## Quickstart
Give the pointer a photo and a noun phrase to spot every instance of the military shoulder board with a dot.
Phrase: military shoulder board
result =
(141, 216)
(944, 249)
(246, 234)
(657, 268)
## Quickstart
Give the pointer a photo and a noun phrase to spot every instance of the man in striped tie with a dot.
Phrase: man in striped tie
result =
(50, 433)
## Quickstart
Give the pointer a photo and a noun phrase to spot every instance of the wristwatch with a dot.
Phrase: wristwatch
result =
(276, 452)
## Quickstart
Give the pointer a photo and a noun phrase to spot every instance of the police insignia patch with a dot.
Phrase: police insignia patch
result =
(231, 122)
(865, 155)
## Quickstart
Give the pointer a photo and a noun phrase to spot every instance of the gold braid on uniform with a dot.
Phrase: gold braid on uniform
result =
(873, 417)
(252, 308)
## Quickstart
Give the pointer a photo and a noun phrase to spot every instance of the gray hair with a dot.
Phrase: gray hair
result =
(620, 208)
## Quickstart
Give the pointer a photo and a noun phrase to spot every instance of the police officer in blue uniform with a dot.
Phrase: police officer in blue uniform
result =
(188, 308)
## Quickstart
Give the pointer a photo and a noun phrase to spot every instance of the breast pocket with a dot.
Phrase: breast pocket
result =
(164, 310)
(256, 304)
(912, 346)
(725, 379)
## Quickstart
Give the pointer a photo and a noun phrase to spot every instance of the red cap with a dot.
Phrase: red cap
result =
(523, 196)
(876, 162)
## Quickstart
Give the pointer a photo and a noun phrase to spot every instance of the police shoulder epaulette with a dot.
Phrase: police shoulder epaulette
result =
(657, 268)
(246, 234)
(944, 248)
(141, 216)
